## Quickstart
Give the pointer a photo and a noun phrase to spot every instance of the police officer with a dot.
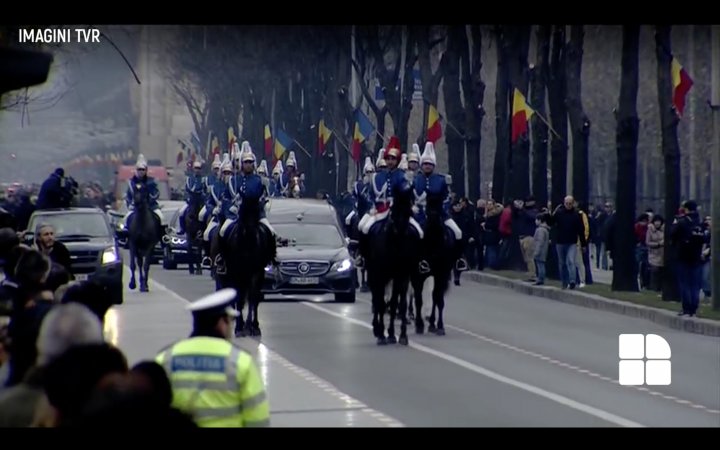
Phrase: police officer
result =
(212, 379)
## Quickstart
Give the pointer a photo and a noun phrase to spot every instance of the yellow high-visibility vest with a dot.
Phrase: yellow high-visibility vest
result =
(216, 382)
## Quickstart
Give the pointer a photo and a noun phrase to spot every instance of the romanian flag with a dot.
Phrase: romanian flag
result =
(231, 138)
(681, 85)
(282, 143)
(324, 134)
(215, 146)
(434, 129)
(521, 113)
(268, 142)
(363, 130)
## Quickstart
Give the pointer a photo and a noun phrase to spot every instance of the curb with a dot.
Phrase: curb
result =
(669, 319)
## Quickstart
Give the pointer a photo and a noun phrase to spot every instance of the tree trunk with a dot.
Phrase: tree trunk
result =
(671, 152)
(454, 135)
(502, 130)
(579, 122)
(538, 82)
(558, 117)
(625, 269)
(337, 94)
(474, 92)
(517, 178)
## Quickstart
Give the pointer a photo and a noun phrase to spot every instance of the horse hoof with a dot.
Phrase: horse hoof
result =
(411, 316)
(365, 288)
(239, 333)
(257, 332)
(381, 341)
(440, 331)
(392, 340)
(419, 329)
(403, 340)
(132, 285)
(431, 328)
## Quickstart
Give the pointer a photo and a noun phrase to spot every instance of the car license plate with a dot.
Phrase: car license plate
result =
(304, 280)
(81, 277)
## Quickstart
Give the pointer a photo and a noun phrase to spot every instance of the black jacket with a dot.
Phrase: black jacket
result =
(569, 226)
(688, 237)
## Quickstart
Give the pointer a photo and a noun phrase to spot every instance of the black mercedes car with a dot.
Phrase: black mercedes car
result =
(90, 240)
(315, 261)
(175, 249)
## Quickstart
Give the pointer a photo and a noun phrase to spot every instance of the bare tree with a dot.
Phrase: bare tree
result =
(558, 116)
(625, 268)
(502, 129)
(579, 121)
(538, 86)
(670, 148)
(474, 92)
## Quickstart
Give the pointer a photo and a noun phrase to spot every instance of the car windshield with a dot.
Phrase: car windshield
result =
(310, 234)
(89, 225)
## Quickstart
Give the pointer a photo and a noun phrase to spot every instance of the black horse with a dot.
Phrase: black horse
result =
(143, 234)
(193, 232)
(391, 256)
(438, 250)
(250, 248)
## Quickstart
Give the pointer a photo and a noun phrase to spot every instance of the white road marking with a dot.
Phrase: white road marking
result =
(308, 376)
(571, 367)
(604, 415)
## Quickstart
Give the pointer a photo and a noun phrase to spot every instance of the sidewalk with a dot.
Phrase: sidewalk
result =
(599, 296)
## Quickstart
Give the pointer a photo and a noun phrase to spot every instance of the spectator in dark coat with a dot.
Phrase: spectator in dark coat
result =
(491, 234)
(480, 209)
(570, 229)
(688, 238)
(597, 227)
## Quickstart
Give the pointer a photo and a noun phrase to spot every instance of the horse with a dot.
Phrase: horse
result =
(438, 249)
(391, 255)
(143, 235)
(250, 248)
(193, 232)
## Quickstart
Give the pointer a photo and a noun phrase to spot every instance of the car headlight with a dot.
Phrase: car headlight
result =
(178, 241)
(121, 226)
(342, 266)
(109, 256)
(269, 268)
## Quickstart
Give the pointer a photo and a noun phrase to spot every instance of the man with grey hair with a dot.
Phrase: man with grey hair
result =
(47, 244)
(64, 326)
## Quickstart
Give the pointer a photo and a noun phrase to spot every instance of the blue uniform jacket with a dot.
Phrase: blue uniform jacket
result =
(361, 197)
(209, 181)
(148, 185)
(243, 187)
(433, 185)
(194, 185)
(382, 185)
(215, 195)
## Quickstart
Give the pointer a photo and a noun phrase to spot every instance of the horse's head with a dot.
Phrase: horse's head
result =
(140, 196)
(294, 186)
(402, 202)
(434, 206)
(251, 211)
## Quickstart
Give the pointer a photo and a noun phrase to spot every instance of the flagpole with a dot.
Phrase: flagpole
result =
(546, 123)
(302, 148)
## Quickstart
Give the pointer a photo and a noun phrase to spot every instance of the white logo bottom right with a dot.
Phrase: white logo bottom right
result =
(644, 360)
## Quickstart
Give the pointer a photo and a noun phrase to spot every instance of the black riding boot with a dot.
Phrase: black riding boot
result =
(362, 250)
(461, 264)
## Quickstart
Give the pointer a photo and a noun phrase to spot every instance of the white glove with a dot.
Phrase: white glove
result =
(373, 211)
(234, 209)
(131, 207)
(471, 240)
(216, 211)
(415, 209)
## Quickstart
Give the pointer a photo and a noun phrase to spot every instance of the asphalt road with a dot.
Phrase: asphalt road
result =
(507, 360)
